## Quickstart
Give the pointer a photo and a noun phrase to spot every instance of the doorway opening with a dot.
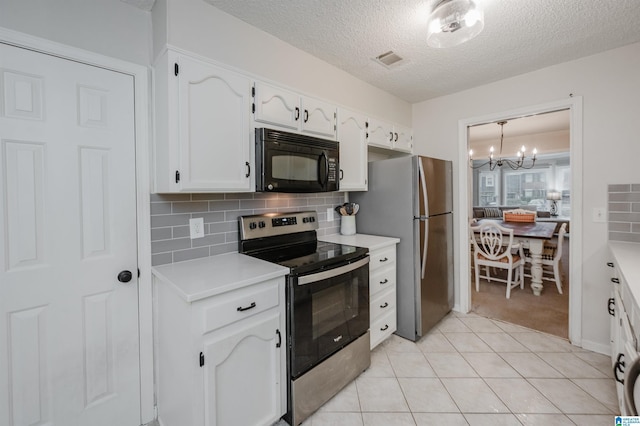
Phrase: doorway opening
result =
(465, 212)
(542, 185)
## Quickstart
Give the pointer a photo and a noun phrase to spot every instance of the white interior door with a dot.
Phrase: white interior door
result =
(69, 348)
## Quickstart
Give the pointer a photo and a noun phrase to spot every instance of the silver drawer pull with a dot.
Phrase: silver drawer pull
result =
(384, 281)
(385, 305)
(337, 339)
(251, 306)
(384, 259)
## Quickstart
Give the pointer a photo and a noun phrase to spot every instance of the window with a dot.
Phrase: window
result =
(525, 187)
(488, 191)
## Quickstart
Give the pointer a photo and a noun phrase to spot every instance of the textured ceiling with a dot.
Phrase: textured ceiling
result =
(519, 36)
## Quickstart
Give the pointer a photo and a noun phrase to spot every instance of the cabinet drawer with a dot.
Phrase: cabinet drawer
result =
(382, 304)
(381, 258)
(239, 304)
(383, 328)
(382, 279)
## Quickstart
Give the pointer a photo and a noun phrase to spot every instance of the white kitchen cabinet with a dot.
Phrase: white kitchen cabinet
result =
(242, 370)
(203, 132)
(625, 313)
(382, 281)
(382, 293)
(380, 134)
(352, 135)
(280, 107)
(220, 354)
(389, 136)
(402, 139)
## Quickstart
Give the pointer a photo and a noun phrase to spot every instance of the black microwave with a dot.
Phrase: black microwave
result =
(289, 162)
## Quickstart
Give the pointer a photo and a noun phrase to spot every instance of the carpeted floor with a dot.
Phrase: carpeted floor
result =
(548, 313)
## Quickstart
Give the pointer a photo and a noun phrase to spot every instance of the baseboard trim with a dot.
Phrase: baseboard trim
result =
(596, 347)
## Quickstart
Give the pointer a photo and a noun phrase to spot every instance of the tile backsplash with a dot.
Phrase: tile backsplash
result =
(170, 214)
(624, 212)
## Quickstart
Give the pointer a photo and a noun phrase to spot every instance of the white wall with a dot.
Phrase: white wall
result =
(111, 28)
(547, 142)
(196, 26)
(609, 85)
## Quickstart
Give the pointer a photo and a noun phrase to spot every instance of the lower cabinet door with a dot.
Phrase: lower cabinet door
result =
(242, 373)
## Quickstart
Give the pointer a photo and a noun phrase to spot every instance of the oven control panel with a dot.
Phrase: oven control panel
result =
(271, 224)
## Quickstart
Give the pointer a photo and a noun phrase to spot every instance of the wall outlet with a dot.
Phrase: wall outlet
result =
(196, 228)
(599, 214)
(329, 214)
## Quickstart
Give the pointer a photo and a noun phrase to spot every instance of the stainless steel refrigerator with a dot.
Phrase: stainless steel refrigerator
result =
(411, 198)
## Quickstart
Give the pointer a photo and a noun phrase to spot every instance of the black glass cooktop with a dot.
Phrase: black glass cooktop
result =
(311, 256)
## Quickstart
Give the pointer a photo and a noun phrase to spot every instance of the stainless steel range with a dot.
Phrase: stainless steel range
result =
(327, 305)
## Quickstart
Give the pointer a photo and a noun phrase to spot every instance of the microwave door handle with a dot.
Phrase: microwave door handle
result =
(321, 181)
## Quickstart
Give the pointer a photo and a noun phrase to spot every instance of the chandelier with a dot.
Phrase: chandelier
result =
(453, 22)
(518, 163)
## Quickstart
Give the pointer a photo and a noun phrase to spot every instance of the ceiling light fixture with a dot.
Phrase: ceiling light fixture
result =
(516, 164)
(453, 22)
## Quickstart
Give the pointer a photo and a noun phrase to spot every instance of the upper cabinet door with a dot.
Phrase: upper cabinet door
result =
(274, 105)
(380, 134)
(214, 111)
(352, 135)
(402, 139)
(318, 118)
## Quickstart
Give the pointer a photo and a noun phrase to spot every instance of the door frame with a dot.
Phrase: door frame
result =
(574, 105)
(141, 76)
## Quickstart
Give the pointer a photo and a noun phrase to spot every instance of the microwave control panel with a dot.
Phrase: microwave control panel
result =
(333, 170)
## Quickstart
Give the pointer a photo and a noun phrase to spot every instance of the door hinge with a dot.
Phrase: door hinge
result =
(279, 338)
(201, 359)
(253, 92)
(253, 108)
(138, 272)
(177, 176)
(176, 68)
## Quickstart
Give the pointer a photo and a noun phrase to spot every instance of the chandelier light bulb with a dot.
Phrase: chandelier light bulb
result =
(523, 149)
(470, 153)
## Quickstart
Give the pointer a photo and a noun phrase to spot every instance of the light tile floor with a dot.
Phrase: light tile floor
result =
(471, 370)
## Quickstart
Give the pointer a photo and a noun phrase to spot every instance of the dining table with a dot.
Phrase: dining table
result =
(531, 235)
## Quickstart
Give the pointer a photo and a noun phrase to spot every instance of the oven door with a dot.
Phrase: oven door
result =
(297, 166)
(328, 310)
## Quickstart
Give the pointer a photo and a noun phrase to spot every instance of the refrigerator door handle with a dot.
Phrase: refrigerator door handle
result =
(423, 187)
(424, 249)
(425, 198)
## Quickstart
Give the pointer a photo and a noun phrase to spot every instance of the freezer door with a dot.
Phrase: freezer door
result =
(436, 271)
(435, 191)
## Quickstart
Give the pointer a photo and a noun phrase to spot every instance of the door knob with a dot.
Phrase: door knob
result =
(125, 276)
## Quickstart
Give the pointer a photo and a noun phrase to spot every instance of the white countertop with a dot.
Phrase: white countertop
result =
(372, 242)
(200, 278)
(627, 259)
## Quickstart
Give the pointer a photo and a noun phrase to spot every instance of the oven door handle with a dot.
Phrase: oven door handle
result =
(307, 279)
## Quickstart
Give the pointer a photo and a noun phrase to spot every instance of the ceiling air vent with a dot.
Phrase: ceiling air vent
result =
(388, 59)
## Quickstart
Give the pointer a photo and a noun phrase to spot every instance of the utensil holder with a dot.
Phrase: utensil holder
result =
(348, 225)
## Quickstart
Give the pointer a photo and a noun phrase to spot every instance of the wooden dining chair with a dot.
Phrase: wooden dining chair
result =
(493, 247)
(551, 256)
